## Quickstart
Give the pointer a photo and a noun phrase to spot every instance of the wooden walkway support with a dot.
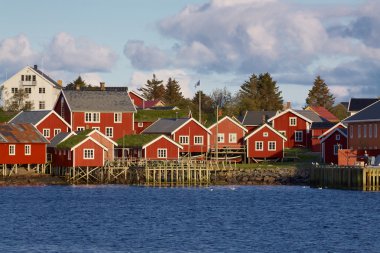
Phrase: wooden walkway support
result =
(345, 177)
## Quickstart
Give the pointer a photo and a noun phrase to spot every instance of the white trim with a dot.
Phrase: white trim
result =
(290, 121)
(275, 146)
(84, 154)
(140, 124)
(10, 121)
(14, 150)
(233, 121)
(30, 149)
(162, 149)
(235, 137)
(158, 138)
(138, 95)
(353, 121)
(262, 145)
(222, 138)
(187, 121)
(183, 143)
(48, 131)
(92, 114)
(86, 139)
(291, 111)
(270, 128)
(111, 131)
(295, 136)
(336, 129)
(54, 112)
(121, 117)
(57, 131)
(331, 129)
(198, 136)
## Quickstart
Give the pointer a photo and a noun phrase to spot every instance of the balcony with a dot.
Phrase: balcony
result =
(28, 83)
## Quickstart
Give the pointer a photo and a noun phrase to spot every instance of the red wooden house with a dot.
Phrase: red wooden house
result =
(229, 133)
(295, 126)
(149, 147)
(317, 129)
(137, 99)
(189, 133)
(21, 144)
(49, 123)
(323, 112)
(265, 143)
(110, 112)
(332, 141)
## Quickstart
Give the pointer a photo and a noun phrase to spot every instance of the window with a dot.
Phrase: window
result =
(162, 153)
(375, 130)
(183, 139)
(109, 131)
(28, 105)
(14, 90)
(69, 155)
(365, 131)
(337, 137)
(56, 131)
(140, 124)
(28, 78)
(220, 138)
(293, 121)
(92, 117)
(28, 90)
(259, 146)
(62, 107)
(370, 130)
(265, 134)
(282, 132)
(34, 78)
(336, 148)
(359, 131)
(42, 105)
(198, 140)
(88, 154)
(96, 128)
(272, 146)
(22, 78)
(351, 132)
(298, 136)
(41, 90)
(12, 150)
(232, 138)
(79, 129)
(117, 117)
(46, 132)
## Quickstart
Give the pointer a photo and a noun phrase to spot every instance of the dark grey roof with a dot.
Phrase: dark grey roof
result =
(371, 113)
(357, 104)
(312, 116)
(255, 118)
(96, 88)
(32, 117)
(322, 125)
(99, 101)
(57, 139)
(165, 126)
(165, 108)
(47, 78)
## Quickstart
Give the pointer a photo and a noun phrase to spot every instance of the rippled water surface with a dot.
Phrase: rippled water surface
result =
(214, 219)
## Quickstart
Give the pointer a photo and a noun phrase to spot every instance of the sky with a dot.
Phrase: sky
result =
(219, 42)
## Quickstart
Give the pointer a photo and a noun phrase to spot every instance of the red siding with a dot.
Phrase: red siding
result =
(315, 142)
(52, 122)
(138, 129)
(227, 127)
(251, 128)
(281, 123)
(106, 120)
(64, 111)
(60, 158)
(108, 155)
(137, 101)
(172, 150)
(38, 154)
(98, 155)
(265, 153)
(328, 152)
(192, 129)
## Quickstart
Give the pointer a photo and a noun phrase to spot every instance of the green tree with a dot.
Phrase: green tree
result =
(77, 82)
(154, 89)
(340, 111)
(207, 107)
(320, 94)
(260, 93)
(19, 102)
(173, 95)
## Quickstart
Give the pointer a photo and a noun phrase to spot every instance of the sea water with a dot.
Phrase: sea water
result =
(211, 219)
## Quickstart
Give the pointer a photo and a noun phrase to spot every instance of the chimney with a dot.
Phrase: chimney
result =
(35, 67)
(102, 86)
(288, 105)
(263, 119)
(59, 83)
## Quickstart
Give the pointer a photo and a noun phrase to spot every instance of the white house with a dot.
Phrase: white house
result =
(43, 91)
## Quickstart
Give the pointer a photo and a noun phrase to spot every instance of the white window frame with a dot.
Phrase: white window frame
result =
(69, 155)
(96, 128)
(92, 117)
(337, 137)
(88, 154)
(162, 153)
(56, 131)
(41, 105)
(28, 149)
(198, 139)
(46, 132)
(80, 128)
(107, 133)
(259, 145)
(370, 130)
(336, 148)
(41, 90)
(14, 90)
(220, 138)
(117, 117)
(140, 124)
(291, 119)
(28, 90)
(232, 138)
(265, 134)
(364, 131)
(184, 139)
(12, 149)
(298, 139)
(269, 145)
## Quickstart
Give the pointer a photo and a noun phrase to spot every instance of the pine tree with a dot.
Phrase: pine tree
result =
(77, 82)
(173, 95)
(320, 95)
(154, 89)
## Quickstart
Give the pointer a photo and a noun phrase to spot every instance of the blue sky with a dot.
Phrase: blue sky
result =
(220, 42)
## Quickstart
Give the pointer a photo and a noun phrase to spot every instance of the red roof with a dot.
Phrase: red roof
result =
(20, 133)
(152, 103)
(324, 113)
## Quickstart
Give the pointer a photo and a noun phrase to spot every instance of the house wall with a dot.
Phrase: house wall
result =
(192, 129)
(137, 101)
(38, 154)
(281, 123)
(49, 97)
(138, 129)
(108, 155)
(60, 157)
(251, 128)
(172, 150)
(106, 120)
(62, 109)
(315, 142)
(98, 155)
(363, 142)
(328, 152)
(227, 127)
(52, 122)
(265, 153)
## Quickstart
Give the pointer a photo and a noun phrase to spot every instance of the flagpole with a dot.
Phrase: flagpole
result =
(200, 118)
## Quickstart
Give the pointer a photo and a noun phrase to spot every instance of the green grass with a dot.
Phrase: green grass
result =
(136, 140)
(153, 115)
(72, 141)
(6, 116)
